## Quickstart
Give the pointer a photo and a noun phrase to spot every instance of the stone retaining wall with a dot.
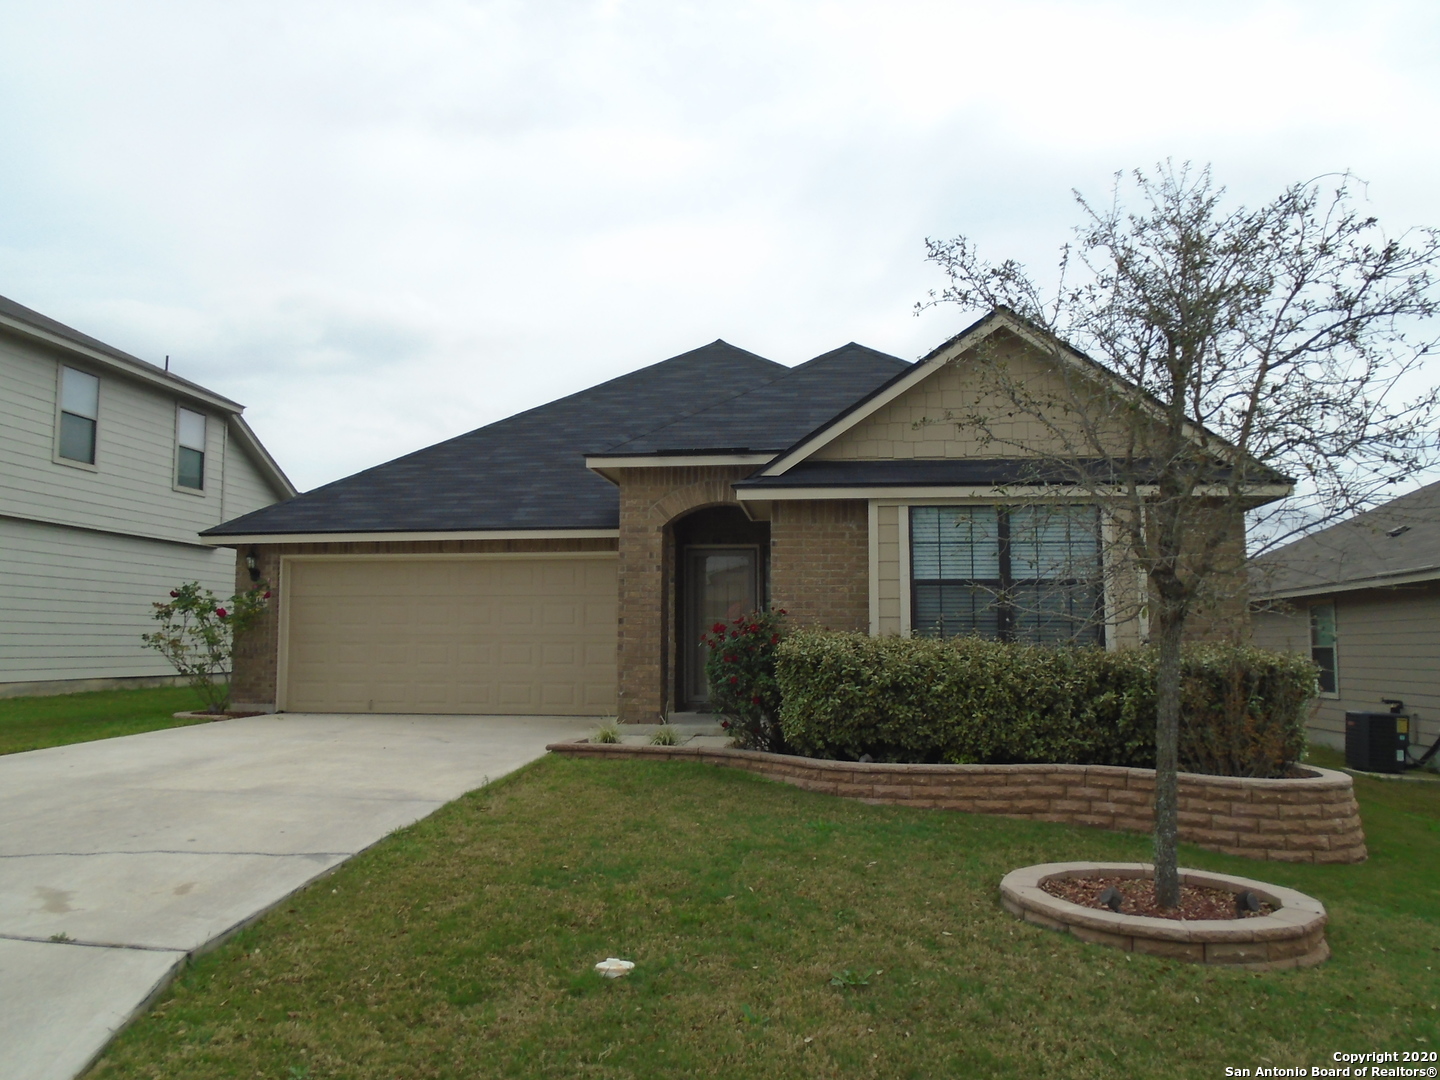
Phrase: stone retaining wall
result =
(1313, 818)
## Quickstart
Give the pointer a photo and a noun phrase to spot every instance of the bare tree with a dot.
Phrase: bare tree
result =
(1210, 360)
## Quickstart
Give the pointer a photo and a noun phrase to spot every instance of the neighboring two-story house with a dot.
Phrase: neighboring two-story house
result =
(567, 559)
(110, 467)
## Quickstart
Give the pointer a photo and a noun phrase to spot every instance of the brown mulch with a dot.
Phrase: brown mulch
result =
(1139, 898)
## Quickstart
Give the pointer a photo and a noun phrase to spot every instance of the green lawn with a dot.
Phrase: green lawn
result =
(31, 723)
(463, 947)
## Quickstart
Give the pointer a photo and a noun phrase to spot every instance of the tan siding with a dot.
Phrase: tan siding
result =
(1387, 646)
(889, 586)
(915, 425)
(75, 603)
(131, 489)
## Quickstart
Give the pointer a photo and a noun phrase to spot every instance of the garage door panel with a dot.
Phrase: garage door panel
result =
(442, 635)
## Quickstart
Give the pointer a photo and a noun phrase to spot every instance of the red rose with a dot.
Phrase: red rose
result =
(756, 699)
(174, 593)
(718, 628)
(734, 678)
(266, 596)
(774, 638)
(221, 612)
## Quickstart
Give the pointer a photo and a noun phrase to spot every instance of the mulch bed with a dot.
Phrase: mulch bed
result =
(1138, 898)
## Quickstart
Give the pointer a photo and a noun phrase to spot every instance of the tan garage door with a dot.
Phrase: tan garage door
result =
(451, 635)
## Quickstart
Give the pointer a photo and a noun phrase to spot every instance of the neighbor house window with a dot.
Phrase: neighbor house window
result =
(1028, 573)
(1322, 645)
(190, 454)
(79, 415)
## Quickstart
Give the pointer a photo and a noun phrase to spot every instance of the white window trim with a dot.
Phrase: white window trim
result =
(175, 484)
(1328, 695)
(87, 466)
(907, 630)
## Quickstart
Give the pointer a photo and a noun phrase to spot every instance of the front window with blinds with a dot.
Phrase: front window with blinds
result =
(1029, 573)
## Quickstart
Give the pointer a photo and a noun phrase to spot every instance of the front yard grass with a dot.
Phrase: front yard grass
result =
(776, 933)
(32, 723)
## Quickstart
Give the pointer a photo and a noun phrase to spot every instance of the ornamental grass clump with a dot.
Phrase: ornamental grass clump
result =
(968, 700)
(741, 673)
(197, 635)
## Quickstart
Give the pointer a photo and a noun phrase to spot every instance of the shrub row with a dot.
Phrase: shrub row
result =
(967, 700)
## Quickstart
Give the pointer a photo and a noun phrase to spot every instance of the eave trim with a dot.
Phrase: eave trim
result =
(408, 537)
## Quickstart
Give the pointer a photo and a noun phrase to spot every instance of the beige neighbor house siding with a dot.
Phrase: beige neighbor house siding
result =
(258, 652)
(85, 551)
(1387, 645)
(75, 602)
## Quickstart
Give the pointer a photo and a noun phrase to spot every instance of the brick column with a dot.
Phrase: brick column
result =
(650, 499)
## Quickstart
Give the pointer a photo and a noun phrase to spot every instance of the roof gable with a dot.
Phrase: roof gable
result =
(909, 418)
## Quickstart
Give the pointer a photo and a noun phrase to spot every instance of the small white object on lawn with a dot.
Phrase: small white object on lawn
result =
(613, 968)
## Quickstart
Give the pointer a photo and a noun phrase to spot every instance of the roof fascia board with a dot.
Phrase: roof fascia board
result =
(381, 537)
(171, 383)
(1376, 581)
(758, 493)
(665, 461)
(256, 449)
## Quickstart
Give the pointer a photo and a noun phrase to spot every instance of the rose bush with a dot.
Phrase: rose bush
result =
(197, 635)
(741, 673)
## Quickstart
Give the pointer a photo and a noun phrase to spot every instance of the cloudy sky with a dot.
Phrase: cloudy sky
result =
(382, 224)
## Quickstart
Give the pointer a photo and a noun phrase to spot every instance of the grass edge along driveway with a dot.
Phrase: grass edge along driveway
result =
(775, 932)
(34, 723)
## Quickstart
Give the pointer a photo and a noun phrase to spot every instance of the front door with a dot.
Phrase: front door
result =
(721, 584)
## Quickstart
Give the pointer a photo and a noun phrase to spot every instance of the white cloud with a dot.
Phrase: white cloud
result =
(379, 225)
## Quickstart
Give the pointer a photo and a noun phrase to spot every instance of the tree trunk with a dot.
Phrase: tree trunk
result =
(1167, 741)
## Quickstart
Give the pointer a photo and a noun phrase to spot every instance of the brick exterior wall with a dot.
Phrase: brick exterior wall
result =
(820, 562)
(1309, 819)
(650, 499)
(257, 652)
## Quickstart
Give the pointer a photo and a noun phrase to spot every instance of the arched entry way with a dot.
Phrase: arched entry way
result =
(722, 564)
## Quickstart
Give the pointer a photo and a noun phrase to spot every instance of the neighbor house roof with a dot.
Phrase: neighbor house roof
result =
(1397, 543)
(526, 473)
(32, 326)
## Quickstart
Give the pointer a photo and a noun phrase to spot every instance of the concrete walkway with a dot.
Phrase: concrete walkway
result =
(120, 858)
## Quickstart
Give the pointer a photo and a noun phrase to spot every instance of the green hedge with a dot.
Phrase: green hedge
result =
(844, 696)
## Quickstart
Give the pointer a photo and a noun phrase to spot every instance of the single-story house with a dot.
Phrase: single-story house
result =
(1362, 599)
(566, 560)
(110, 467)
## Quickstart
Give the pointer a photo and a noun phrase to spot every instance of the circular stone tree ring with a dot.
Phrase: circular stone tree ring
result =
(1292, 936)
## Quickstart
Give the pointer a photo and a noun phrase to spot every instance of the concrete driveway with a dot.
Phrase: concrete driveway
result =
(120, 858)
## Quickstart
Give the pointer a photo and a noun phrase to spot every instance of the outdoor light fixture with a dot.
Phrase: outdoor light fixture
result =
(1111, 898)
(253, 565)
(1245, 903)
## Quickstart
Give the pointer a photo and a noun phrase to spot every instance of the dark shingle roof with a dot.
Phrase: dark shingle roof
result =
(772, 417)
(1398, 539)
(524, 472)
